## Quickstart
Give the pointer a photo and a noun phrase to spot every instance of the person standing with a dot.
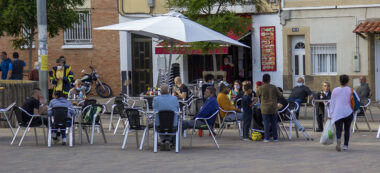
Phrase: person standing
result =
(341, 112)
(17, 69)
(228, 68)
(325, 94)
(269, 95)
(6, 64)
(61, 77)
(33, 75)
(248, 103)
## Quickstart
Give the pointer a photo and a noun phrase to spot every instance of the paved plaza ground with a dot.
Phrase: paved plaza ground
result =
(234, 155)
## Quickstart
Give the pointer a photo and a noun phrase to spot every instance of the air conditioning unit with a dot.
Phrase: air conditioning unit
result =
(272, 1)
(356, 62)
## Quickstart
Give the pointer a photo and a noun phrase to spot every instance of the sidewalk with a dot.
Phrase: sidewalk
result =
(297, 155)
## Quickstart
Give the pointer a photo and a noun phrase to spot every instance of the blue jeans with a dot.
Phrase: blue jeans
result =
(270, 121)
(63, 131)
(299, 101)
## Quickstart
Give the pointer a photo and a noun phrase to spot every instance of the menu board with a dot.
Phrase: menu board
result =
(268, 48)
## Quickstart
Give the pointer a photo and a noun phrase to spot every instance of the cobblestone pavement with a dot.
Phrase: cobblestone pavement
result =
(234, 155)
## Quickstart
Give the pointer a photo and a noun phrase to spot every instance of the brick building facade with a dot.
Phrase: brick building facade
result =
(102, 51)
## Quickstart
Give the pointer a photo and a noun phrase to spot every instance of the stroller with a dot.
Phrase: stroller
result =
(288, 113)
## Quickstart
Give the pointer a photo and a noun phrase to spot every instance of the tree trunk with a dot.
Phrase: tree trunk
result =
(30, 52)
(214, 61)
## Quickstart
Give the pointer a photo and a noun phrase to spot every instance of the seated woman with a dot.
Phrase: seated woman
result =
(78, 90)
(61, 101)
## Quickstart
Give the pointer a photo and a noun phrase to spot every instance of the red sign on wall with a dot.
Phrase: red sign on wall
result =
(268, 48)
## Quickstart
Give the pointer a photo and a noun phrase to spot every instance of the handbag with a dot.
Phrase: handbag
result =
(355, 103)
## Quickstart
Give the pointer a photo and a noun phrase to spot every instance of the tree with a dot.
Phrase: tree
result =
(214, 14)
(18, 19)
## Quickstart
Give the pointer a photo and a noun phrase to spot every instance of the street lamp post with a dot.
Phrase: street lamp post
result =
(42, 47)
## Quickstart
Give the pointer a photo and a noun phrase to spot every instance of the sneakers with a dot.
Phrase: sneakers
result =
(246, 139)
(165, 146)
(345, 147)
(275, 140)
(337, 147)
(265, 140)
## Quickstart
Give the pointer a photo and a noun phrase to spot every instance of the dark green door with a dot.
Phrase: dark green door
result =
(142, 75)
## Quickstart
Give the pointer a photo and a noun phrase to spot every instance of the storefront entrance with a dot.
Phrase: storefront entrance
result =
(142, 76)
(298, 58)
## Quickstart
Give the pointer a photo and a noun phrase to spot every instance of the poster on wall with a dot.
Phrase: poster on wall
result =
(268, 48)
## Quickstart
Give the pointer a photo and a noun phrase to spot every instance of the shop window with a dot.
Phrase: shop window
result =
(80, 33)
(324, 59)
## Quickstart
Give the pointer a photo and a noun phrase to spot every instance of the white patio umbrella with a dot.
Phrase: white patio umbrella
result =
(173, 26)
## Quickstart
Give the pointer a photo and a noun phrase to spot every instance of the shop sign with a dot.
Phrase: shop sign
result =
(268, 48)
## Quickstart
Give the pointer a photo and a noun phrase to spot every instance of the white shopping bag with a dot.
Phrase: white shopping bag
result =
(328, 134)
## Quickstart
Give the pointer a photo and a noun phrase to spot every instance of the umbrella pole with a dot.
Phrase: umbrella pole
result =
(170, 59)
(214, 60)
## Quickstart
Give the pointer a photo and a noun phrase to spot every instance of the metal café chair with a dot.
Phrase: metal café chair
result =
(119, 108)
(282, 119)
(166, 119)
(4, 112)
(133, 123)
(58, 121)
(363, 110)
(204, 128)
(93, 113)
(27, 124)
(378, 132)
(224, 122)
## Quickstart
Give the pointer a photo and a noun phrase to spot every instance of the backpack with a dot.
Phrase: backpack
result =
(89, 117)
(355, 103)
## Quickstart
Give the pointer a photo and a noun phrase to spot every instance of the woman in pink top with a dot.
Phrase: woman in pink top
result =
(341, 112)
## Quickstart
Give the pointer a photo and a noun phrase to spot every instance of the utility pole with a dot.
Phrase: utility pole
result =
(42, 48)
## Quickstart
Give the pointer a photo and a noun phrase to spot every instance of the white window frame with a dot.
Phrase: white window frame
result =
(327, 50)
(26, 46)
(80, 36)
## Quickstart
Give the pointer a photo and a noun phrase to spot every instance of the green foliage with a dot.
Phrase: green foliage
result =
(213, 14)
(19, 16)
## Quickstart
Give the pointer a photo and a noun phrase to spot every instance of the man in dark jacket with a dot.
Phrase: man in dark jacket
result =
(325, 94)
(17, 68)
(61, 77)
(363, 91)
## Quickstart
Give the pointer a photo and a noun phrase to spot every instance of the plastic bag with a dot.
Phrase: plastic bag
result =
(328, 134)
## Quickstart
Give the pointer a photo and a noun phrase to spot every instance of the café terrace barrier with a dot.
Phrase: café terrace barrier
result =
(14, 91)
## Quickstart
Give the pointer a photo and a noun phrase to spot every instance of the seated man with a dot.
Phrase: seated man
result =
(208, 108)
(77, 90)
(165, 102)
(32, 106)
(179, 89)
(209, 81)
(300, 93)
(325, 94)
(61, 101)
(363, 91)
(226, 104)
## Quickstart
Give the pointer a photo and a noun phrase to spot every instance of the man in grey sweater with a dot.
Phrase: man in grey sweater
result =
(363, 91)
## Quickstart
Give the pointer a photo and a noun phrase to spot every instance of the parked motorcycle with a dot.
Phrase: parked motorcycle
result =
(88, 79)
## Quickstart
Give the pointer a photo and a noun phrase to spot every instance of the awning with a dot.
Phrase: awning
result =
(184, 48)
(368, 26)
